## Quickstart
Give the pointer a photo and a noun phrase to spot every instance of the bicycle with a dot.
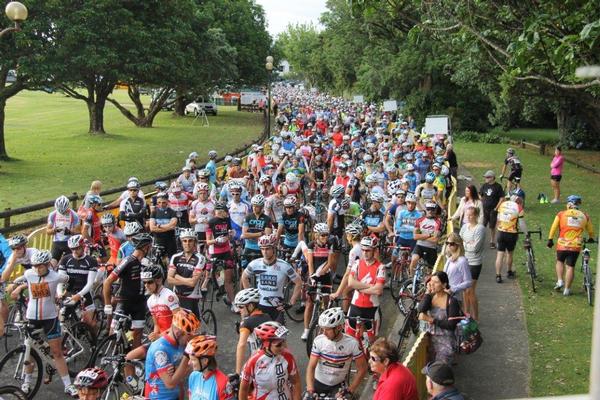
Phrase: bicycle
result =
(295, 311)
(588, 277)
(12, 334)
(115, 344)
(409, 325)
(530, 262)
(320, 301)
(399, 270)
(78, 340)
(117, 383)
(9, 392)
(414, 287)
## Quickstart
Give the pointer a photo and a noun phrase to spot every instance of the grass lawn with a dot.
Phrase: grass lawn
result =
(559, 328)
(530, 134)
(47, 136)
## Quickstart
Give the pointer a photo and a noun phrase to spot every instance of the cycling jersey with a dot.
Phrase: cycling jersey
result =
(318, 172)
(356, 189)
(571, 225)
(77, 269)
(430, 226)
(179, 202)
(215, 386)
(188, 183)
(132, 209)
(42, 293)
(509, 213)
(64, 224)
(255, 224)
(162, 217)
(270, 375)
(211, 166)
(5, 252)
(321, 252)
(163, 354)
(125, 250)
(219, 227)
(335, 208)
(373, 218)
(291, 225)
(342, 180)
(514, 164)
(131, 287)
(335, 358)
(185, 267)
(237, 213)
(161, 306)
(249, 323)
(115, 239)
(413, 180)
(202, 212)
(426, 193)
(369, 274)
(354, 254)
(271, 279)
(274, 207)
(92, 219)
(405, 221)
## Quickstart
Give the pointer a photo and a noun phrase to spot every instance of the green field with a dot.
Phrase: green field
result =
(559, 328)
(533, 135)
(47, 136)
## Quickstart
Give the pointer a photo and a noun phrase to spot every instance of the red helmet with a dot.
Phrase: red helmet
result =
(267, 241)
(271, 330)
(94, 378)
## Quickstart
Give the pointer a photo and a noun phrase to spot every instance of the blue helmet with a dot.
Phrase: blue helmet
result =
(430, 177)
(574, 200)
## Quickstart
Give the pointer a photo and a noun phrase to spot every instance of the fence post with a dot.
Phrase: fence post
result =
(74, 201)
(7, 218)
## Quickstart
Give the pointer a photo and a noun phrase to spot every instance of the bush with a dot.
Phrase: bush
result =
(477, 137)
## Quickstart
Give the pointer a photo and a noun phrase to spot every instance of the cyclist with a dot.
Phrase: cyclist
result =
(124, 195)
(163, 221)
(367, 278)
(274, 204)
(321, 256)
(271, 371)
(404, 226)
(130, 297)
(42, 283)
(179, 201)
(162, 303)
(113, 234)
(81, 270)
(427, 232)
(427, 191)
(513, 163)
(338, 206)
(291, 225)
(246, 300)
(331, 356)
(91, 229)
(186, 179)
(206, 382)
(510, 218)
(133, 208)
(491, 193)
(353, 236)
(374, 217)
(185, 272)
(201, 211)
(256, 224)
(90, 383)
(570, 224)
(62, 223)
(204, 178)
(272, 276)
(238, 209)
(131, 229)
(166, 366)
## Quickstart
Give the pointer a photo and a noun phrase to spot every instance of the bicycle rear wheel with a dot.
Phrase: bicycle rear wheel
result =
(531, 269)
(404, 334)
(78, 342)
(209, 322)
(405, 297)
(589, 285)
(12, 369)
(397, 276)
(12, 336)
(295, 312)
(107, 347)
(12, 393)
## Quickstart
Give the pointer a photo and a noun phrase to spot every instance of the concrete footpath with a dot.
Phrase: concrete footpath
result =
(499, 369)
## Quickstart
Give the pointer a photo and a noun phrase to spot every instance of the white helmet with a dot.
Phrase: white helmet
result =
(187, 234)
(337, 191)
(264, 179)
(203, 186)
(410, 167)
(41, 257)
(410, 198)
(371, 179)
(291, 177)
(247, 296)
(258, 200)
(367, 157)
(332, 317)
(212, 154)
(290, 201)
(321, 228)
(75, 241)
(377, 197)
(132, 228)
(62, 204)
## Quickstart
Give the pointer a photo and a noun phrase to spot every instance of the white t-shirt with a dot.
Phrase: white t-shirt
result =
(42, 292)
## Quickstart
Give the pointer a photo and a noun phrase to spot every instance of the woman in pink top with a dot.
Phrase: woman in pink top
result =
(556, 167)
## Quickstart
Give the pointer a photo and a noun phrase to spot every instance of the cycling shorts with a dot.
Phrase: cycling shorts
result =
(506, 241)
(404, 243)
(363, 312)
(324, 280)
(227, 256)
(567, 257)
(273, 312)
(556, 178)
(190, 304)
(326, 390)
(51, 327)
(59, 249)
(515, 174)
(136, 309)
(428, 254)
(249, 255)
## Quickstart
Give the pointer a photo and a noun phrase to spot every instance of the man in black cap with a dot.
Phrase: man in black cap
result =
(440, 381)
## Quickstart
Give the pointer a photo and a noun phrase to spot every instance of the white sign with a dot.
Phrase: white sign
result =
(390, 105)
(437, 125)
(359, 99)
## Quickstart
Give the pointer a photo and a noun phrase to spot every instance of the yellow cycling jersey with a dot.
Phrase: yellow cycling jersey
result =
(571, 225)
(509, 213)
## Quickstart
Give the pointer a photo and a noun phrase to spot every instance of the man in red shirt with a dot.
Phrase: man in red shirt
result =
(321, 125)
(337, 136)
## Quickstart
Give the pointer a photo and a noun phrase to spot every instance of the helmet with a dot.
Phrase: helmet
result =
(371, 179)
(440, 160)
(445, 170)
(354, 230)
(410, 198)
(267, 240)
(234, 187)
(152, 271)
(291, 177)
(321, 228)
(368, 242)
(510, 151)
(212, 154)
(573, 201)
(359, 170)
(368, 157)
(408, 156)
(271, 330)
(93, 378)
(337, 191)
(345, 203)
(264, 179)
(193, 155)
(107, 219)
(290, 201)
(429, 177)
(202, 346)
(343, 166)
(220, 205)
(133, 184)
(17, 240)
(203, 187)
(186, 321)
(75, 241)
(161, 186)
(132, 228)
(376, 197)
(391, 169)
(41, 257)
(187, 233)
(247, 296)
(258, 200)
(141, 239)
(62, 204)
(430, 205)
(228, 158)
(283, 189)
(94, 199)
(332, 317)
(410, 167)
(203, 173)
(436, 165)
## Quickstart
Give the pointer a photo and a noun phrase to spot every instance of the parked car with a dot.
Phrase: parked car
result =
(195, 106)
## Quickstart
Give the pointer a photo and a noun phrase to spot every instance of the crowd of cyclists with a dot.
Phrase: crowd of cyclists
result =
(325, 208)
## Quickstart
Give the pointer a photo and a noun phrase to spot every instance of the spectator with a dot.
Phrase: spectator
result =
(457, 266)
(452, 161)
(492, 194)
(438, 308)
(440, 381)
(473, 236)
(471, 199)
(396, 382)
(556, 167)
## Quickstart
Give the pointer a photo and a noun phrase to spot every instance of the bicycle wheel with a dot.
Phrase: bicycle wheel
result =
(107, 347)
(13, 336)
(531, 269)
(405, 332)
(397, 277)
(12, 369)
(208, 322)
(12, 392)
(405, 297)
(78, 344)
(115, 390)
(101, 320)
(296, 311)
(16, 313)
(313, 332)
(589, 285)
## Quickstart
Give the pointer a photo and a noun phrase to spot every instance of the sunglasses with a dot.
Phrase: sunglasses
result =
(374, 358)
(187, 240)
(134, 190)
(280, 344)
(451, 244)
(148, 282)
(324, 235)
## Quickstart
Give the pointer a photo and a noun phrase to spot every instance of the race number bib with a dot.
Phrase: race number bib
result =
(40, 290)
(573, 222)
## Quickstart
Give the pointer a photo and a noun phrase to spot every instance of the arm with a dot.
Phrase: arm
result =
(245, 282)
(452, 311)
(248, 235)
(297, 289)
(10, 266)
(50, 230)
(301, 232)
(361, 372)
(174, 279)
(88, 285)
(240, 351)
(296, 386)
(554, 228)
(376, 289)
(244, 389)
(106, 288)
(171, 381)
(310, 373)
(467, 280)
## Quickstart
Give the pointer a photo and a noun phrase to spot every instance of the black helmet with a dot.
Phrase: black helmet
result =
(220, 205)
(151, 271)
(141, 239)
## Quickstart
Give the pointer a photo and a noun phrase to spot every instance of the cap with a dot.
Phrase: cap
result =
(439, 372)
(489, 174)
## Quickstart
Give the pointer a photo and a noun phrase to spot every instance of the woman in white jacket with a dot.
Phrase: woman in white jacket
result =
(471, 199)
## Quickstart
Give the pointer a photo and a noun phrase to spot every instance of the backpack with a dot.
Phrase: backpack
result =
(469, 336)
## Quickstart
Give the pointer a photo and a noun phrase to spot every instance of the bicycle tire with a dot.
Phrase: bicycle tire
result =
(531, 269)
(406, 298)
(292, 312)
(16, 313)
(16, 355)
(12, 337)
(101, 320)
(114, 391)
(9, 392)
(107, 347)
(85, 339)
(405, 332)
(209, 320)
(397, 276)
(313, 332)
(589, 285)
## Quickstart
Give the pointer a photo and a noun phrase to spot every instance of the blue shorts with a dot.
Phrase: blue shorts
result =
(404, 243)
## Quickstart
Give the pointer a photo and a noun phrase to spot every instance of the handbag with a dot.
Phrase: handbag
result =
(469, 336)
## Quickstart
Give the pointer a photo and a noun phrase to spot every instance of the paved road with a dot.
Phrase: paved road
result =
(227, 338)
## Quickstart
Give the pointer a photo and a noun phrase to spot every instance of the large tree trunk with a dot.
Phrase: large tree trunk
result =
(142, 120)
(96, 114)
(179, 106)
(3, 153)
